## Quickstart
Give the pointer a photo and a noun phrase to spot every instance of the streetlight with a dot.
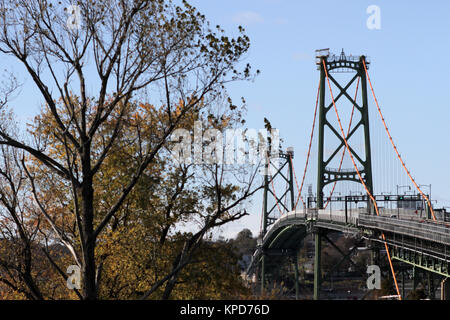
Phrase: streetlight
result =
(331, 201)
(423, 200)
(444, 213)
(398, 193)
(426, 185)
(399, 187)
(386, 196)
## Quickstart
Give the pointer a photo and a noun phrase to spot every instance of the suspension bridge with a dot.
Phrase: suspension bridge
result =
(403, 225)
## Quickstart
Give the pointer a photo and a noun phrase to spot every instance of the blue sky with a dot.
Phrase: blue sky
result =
(409, 70)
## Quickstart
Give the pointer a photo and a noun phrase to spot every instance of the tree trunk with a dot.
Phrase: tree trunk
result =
(169, 287)
(87, 213)
(27, 275)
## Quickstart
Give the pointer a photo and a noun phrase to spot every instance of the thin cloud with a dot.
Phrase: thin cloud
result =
(248, 17)
(281, 21)
(301, 56)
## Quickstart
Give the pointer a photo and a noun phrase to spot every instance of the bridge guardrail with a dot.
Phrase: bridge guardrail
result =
(287, 216)
(423, 230)
(349, 218)
(420, 229)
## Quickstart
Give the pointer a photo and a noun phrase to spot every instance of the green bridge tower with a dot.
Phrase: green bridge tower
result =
(326, 175)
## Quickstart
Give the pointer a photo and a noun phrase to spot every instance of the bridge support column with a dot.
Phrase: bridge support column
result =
(317, 264)
(431, 291)
(375, 254)
(263, 274)
(414, 278)
(445, 289)
(403, 282)
(297, 290)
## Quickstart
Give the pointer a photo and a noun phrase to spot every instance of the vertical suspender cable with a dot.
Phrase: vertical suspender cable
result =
(395, 148)
(309, 151)
(295, 179)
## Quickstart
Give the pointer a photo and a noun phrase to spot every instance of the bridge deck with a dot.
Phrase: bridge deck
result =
(289, 230)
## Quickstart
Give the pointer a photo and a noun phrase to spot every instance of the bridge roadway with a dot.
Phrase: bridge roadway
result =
(411, 238)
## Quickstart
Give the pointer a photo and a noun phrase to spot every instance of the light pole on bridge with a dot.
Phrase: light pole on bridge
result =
(399, 187)
(429, 198)
(429, 187)
(398, 193)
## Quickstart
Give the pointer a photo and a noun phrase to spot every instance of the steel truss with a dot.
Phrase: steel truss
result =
(326, 175)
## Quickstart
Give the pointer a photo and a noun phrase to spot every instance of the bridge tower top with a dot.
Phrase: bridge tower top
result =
(340, 63)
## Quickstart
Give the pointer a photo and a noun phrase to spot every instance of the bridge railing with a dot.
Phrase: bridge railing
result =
(420, 229)
(334, 216)
(340, 216)
(291, 216)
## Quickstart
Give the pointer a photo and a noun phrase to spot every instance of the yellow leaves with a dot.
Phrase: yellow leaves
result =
(225, 121)
(211, 276)
(7, 293)
(136, 261)
(134, 248)
(126, 266)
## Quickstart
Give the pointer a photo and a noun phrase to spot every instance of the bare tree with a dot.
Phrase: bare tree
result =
(17, 230)
(225, 197)
(89, 72)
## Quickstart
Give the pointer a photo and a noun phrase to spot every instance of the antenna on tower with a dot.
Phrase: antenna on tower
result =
(342, 57)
